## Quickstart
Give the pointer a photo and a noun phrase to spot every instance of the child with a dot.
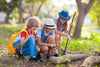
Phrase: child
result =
(46, 38)
(62, 25)
(27, 41)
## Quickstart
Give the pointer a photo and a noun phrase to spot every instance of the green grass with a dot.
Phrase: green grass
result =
(11, 28)
(92, 26)
(88, 43)
(6, 31)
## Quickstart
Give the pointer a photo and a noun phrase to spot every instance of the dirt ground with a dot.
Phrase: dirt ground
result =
(8, 60)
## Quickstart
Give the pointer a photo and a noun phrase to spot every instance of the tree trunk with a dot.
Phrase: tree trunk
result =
(20, 12)
(31, 9)
(83, 9)
(6, 20)
(79, 23)
(38, 10)
(67, 58)
(47, 16)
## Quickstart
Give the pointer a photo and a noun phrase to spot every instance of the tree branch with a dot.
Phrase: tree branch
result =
(88, 7)
(78, 2)
(81, 6)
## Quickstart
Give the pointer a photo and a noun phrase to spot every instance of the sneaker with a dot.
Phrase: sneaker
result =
(33, 60)
(20, 56)
(48, 56)
(38, 57)
(55, 55)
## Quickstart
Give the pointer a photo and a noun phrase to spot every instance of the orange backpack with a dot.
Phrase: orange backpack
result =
(10, 46)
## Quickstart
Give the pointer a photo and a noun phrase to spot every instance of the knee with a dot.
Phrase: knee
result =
(38, 49)
(44, 49)
(57, 37)
(50, 37)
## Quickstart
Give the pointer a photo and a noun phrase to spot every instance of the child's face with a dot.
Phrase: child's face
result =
(62, 21)
(34, 28)
(48, 30)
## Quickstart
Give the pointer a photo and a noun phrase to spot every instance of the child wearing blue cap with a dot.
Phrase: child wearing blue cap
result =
(62, 25)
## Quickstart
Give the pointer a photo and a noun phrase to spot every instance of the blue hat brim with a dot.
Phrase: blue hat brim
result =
(64, 18)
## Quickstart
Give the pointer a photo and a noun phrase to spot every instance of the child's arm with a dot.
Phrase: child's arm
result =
(24, 40)
(63, 34)
(43, 44)
(60, 33)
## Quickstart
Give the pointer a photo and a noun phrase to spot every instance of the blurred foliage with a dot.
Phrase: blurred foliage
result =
(34, 5)
(88, 43)
(51, 9)
(94, 36)
(35, 1)
(8, 7)
(6, 31)
(11, 28)
(95, 12)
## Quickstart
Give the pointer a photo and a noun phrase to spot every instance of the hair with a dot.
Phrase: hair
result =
(33, 21)
(65, 25)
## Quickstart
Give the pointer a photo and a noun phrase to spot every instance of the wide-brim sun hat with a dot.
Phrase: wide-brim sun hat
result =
(64, 15)
(49, 23)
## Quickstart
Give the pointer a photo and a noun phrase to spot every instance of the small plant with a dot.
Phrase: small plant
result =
(94, 36)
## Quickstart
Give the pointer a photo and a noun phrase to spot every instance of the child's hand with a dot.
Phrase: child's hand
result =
(71, 24)
(51, 45)
(31, 36)
(68, 37)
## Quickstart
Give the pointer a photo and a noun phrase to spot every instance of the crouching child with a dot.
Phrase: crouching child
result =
(46, 38)
(27, 40)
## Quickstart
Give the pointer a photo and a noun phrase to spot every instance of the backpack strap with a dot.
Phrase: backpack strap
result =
(19, 43)
(42, 32)
(25, 32)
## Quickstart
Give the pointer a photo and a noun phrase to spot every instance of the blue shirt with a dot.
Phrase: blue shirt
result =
(43, 34)
(55, 22)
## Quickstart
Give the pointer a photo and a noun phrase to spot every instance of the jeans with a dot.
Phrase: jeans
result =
(29, 48)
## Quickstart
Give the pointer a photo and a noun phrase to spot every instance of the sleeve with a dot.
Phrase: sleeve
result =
(23, 34)
(38, 33)
(34, 33)
(55, 20)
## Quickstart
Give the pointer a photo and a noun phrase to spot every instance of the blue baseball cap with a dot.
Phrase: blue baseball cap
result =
(64, 15)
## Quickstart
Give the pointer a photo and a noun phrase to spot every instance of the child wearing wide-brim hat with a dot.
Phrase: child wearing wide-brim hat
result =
(62, 25)
(46, 38)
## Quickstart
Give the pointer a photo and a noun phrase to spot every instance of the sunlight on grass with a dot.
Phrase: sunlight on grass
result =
(88, 43)
(11, 28)
(6, 31)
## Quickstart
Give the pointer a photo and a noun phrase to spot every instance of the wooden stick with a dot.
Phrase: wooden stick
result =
(67, 58)
(69, 33)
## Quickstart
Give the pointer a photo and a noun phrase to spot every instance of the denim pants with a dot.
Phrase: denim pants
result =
(29, 48)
